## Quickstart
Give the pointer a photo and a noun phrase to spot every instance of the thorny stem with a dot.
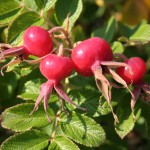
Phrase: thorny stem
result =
(65, 34)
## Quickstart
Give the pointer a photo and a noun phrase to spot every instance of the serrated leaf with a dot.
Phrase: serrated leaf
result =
(73, 8)
(117, 47)
(93, 101)
(62, 143)
(18, 118)
(45, 4)
(31, 90)
(107, 32)
(30, 5)
(9, 9)
(49, 4)
(126, 118)
(22, 22)
(29, 140)
(142, 34)
(41, 3)
(82, 129)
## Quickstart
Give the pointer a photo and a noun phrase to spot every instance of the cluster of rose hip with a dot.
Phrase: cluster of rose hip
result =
(92, 57)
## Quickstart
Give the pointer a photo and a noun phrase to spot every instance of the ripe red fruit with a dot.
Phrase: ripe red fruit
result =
(56, 68)
(87, 56)
(37, 41)
(138, 67)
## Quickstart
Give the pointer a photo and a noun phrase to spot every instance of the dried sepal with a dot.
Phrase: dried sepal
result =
(45, 93)
(4, 46)
(136, 93)
(63, 95)
(104, 89)
(15, 51)
(12, 62)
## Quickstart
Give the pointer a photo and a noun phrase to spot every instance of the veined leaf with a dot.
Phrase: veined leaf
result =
(9, 9)
(29, 140)
(117, 47)
(82, 129)
(126, 118)
(45, 4)
(22, 22)
(142, 34)
(31, 90)
(70, 8)
(93, 101)
(18, 118)
(62, 143)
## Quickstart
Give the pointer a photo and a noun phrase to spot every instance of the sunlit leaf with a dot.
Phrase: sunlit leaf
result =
(29, 140)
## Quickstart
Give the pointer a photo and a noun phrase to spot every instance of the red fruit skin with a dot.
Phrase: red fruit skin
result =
(37, 41)
(56, 68)
(88, 55)
(138, 67)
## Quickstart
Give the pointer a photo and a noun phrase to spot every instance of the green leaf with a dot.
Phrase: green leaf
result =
(31, 90)
(117, 47)
(93, 101)
(8, 85)
(49, 4)
(9, 9)
(125, 116)
(107, 32)
(72, 8)
(62, 143)
(22, 22)
(142, 34)
(41, 3)
(146, 114)
(29, 140)
(18, 118)
(82, 130)
(45, 4)
(30, 5)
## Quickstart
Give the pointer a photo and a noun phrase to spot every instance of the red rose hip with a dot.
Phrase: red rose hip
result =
(37, 41)
(87, 56)
(55, 67)
(138, 67)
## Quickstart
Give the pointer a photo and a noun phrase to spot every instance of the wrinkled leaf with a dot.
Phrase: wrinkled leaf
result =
(31, 90)
(62, 143)
(29, 140)
(70, 8)
(18, 117)
(82, 129)
(16, 29)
